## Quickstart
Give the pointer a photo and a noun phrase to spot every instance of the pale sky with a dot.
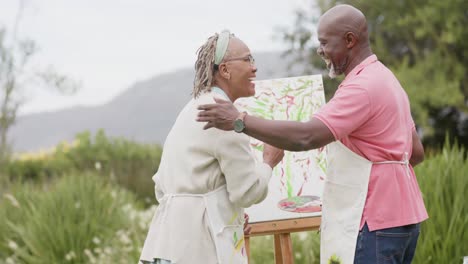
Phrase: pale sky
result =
(110, 44)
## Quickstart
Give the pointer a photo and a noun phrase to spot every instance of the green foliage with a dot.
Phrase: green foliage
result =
(82, 218)
(444, 184)
(262, 250)
(439, 90)
(77, 219)
(306, 248)
(127, 163)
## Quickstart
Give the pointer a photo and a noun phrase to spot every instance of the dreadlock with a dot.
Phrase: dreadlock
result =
(205, 67)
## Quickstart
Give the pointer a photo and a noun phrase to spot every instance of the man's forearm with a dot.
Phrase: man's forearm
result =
(287, 135)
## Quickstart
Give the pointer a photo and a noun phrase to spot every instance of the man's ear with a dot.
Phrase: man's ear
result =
(351, 39)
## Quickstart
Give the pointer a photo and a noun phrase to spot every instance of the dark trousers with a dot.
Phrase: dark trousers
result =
(395, 245)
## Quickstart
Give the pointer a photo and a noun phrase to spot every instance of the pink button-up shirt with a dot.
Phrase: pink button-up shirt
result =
(370, 114)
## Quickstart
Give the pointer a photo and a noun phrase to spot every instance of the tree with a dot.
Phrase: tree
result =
(424, 43)
(15, 75)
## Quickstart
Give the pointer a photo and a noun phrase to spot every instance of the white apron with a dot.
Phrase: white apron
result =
(343, 201)
(226, 223)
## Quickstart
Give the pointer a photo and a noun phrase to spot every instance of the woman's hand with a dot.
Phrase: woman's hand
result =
(247, 227)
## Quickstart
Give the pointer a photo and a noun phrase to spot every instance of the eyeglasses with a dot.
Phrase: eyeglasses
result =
(248, 58)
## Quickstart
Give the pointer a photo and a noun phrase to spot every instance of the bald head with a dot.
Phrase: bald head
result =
(344, 41)
(341, 19)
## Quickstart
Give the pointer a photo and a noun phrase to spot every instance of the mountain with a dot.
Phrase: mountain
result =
(144, 112)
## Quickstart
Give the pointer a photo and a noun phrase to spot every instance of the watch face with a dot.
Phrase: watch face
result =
(238, 125)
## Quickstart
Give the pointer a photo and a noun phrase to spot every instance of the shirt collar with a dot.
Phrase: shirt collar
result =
(220, 91)
(369, 60)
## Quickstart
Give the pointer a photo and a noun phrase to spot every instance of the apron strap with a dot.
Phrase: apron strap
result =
(228, 226)
(404, 161)
(167, 199)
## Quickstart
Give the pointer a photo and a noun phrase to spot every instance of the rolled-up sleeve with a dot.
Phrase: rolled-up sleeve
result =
(246, 179)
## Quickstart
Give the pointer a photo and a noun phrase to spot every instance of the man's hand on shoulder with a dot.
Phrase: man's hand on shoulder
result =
(220, 115)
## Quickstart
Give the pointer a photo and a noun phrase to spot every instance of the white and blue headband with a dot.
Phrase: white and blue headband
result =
(221, 46)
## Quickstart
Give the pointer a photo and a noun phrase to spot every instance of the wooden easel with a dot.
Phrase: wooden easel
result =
(282, 232)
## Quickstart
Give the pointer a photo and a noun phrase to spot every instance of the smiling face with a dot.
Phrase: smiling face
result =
(343, 37)
(332, 48)
(239, 70)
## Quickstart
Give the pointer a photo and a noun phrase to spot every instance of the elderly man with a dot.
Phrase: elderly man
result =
(372, 205)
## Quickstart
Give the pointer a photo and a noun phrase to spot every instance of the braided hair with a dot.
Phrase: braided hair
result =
(205, 67)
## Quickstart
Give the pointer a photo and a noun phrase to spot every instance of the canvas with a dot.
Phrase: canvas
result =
(297, 182)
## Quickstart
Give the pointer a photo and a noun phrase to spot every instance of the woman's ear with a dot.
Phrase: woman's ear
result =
(224, 71)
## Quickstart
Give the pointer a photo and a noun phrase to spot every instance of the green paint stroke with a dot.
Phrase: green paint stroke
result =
(276, 103)
(258, 148)
(322, 162)
(289, 186)
(233, 218)
(334, 259)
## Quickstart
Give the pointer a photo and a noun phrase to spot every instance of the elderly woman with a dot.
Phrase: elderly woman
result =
(207, 177)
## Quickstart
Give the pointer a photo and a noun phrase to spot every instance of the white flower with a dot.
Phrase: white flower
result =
(77, 205)
(97, 165)
(107, 250)
(12, 245)
(127, 207)
(71, 255)
(96, 241)
(12, 200)
(302, 235)
(90, 255)
(10, 261)
(123, 237)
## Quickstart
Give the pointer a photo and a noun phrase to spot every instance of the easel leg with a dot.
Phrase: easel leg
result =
(247, 248)
(278, 253)
(283, 249)
(286, 248)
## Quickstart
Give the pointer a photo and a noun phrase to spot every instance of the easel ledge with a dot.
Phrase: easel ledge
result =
(285, 226)
(282, 230)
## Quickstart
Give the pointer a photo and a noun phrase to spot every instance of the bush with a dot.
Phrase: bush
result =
(127, 163)
(443, 179)
(78, 219)
(82, 218)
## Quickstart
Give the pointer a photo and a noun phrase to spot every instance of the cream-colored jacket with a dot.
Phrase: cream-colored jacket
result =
(197, 161)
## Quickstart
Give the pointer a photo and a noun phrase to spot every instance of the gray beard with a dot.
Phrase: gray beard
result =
(332, 73)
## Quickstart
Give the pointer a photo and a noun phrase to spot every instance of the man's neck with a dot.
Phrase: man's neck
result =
(356, 60)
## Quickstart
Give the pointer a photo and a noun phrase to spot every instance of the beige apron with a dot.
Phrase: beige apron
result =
(226, 223)
(343, 201)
